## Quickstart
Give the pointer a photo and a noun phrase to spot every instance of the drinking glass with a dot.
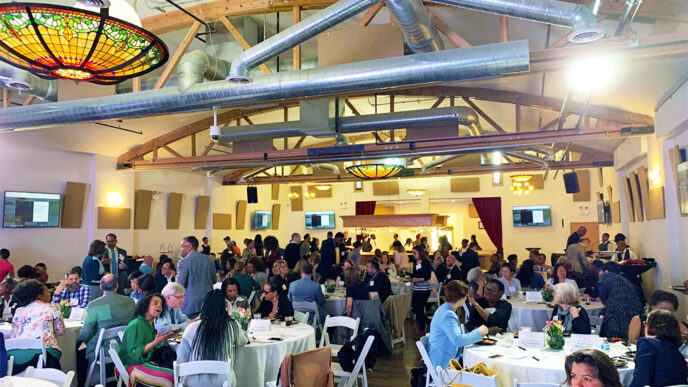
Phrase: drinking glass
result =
(288, 320)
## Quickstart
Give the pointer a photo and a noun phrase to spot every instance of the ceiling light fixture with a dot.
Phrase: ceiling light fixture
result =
(590, 74)
(293, 195)
(323, 187)
(416, 192)
(53, 41)
(520, 184)
(375, 171)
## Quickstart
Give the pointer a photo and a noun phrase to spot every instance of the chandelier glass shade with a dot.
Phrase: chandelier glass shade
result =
(520, 185)
(416, 192)
(53, 41)
(374, 171)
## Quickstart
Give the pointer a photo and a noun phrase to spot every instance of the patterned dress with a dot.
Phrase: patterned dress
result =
(38, 319)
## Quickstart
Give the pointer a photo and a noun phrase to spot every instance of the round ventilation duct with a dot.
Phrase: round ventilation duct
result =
(586, 35)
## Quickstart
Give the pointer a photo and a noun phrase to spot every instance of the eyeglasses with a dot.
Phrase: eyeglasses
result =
(180, 297)
(264, 292)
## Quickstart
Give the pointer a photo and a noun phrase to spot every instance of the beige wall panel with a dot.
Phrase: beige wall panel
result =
(276, 216)
(275, 191)
(381, 188)
(465, 184)
(241, 214)
(629, 198)
(616, 212)
(222, 221)
(584, 183)
(296, 203)
(142, 208)
(73, 203)
(114, 218)
(656, 208)
(637, 201)
(202, 207)
(174, 211)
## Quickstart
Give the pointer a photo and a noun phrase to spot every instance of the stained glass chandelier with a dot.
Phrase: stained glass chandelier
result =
(374, 171)
(54, 41)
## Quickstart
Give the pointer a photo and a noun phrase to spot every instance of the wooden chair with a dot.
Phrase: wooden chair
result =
(348, 379)
(202, 367)
(102, 358)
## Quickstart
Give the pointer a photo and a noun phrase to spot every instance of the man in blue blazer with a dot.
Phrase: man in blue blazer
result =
(197, 274)
(307, 290)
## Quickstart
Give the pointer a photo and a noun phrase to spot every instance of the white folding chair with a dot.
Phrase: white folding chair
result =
(250, 298)
(101, 356)
(517, 384)
(348, 379)
(10, 365)
(431, 377)
(301, 317)
(338, 321)
(201, 367)
(310, 307)
(121, 369)
(595, 324)
(468, 378)
(19, 344)
(51, 375)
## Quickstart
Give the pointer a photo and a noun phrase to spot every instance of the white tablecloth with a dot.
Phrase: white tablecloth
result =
(535, 315)
(259, 362)
(335, 303)
(67, 342)
(550, 368)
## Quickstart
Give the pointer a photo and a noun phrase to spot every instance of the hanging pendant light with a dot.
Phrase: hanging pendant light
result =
(53, 41)
(416, 192)
(323, 187)
(520, 185)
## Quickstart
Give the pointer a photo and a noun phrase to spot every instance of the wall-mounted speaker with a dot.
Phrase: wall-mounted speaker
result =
(252, 195)
(571, 182)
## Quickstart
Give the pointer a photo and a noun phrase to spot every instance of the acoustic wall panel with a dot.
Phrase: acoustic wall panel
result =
(142, 208)
(241, 214)
(465, 184)
(296, 202)
(644, 186)
(174, 211)
(275, 191)
(472, 212)
(73, 203)
(637, 201)
(656, 204)
(584, 183)
(114, 218)
(276, 215)
(222, 221)
(616, 212)
(385, 188)
(629, 198)
(321, 194)
(202, 207)
(538, 181)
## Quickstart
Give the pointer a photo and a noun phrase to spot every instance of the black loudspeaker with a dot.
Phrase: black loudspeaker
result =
(252, 194)
(571, 182)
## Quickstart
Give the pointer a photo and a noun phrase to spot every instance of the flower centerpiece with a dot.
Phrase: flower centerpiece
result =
(547, 295)
(329, 286)
(554, 333)
(242, 316)
(65, 307)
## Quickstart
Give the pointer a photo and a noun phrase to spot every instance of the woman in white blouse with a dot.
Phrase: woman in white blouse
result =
(561, 275)
(511, 285)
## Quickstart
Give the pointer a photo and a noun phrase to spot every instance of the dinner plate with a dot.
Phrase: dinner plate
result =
(486, 342)
(679, 288)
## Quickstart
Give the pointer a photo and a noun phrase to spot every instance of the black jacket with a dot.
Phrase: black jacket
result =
(469, 260)
(292, 254)
(284, 308)
(380, 284)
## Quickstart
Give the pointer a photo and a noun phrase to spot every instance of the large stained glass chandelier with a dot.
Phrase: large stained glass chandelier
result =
(54, 41)
(374, 171)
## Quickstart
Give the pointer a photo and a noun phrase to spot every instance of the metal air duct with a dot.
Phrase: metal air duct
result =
(527, 157)
(419, 32)
(437, 162)
(329, 167)
(295, 35)
(457, 115)
(23, 81)
(576, 16)
(445, 66)
(196, 66)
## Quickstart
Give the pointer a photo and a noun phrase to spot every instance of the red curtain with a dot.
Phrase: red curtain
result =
(490, 213)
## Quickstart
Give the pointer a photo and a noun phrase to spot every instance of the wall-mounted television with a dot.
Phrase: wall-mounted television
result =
(604, 212)
(262, 220)
(320, 220)
(525, 216)
(31, 209)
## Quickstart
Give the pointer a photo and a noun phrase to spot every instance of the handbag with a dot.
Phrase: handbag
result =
(479, 368)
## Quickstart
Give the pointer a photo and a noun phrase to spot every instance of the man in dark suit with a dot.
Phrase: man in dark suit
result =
(453, 271)
(469, 260)
(377, 281)
(164, 276)
(292, 253)
(575, 237)
(196, 274)
(113, 261)
(329, 253)
(205, 248)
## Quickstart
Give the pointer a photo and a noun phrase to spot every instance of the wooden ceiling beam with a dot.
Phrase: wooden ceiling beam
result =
(484, 115)
(370, 14)
(438, 102)
(370, 151)
(244, 44)
(172, 151)
(449, 32)
(177, 56)
(29, 100)
(352, 107)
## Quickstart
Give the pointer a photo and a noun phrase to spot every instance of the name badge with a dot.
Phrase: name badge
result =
(512, 289)
(284, 287)
(418, 266)
(449, 275)
(372, 283)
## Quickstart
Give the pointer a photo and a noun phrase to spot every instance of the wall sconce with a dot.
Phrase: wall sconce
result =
(113, 199)
(655, 176)
(293, 195)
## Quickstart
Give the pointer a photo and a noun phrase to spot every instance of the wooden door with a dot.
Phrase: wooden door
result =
(592, 233)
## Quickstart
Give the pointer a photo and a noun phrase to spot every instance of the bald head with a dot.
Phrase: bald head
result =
(108, 283)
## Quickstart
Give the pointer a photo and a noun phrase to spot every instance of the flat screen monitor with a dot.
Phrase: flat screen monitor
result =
(31, 209)
(320, 220)
(532, 216)
(262, 220)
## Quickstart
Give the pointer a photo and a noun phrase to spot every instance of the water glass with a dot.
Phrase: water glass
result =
(288, 320)
(257, 316)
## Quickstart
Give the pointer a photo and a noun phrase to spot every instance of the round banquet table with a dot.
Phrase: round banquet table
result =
(259, 362)
(67, 342)
(335, 303)
(20, 381)
(534, 315)
(519, 364)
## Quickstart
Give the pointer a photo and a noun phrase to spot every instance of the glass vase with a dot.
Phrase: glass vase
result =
(556, 342)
